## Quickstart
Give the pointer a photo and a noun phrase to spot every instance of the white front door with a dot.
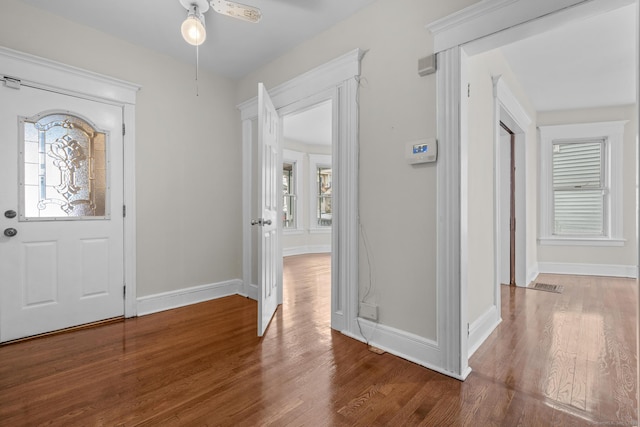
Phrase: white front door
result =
(270, 183)
(61, 219)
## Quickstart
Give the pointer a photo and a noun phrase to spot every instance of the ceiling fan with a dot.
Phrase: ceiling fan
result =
(193, 29)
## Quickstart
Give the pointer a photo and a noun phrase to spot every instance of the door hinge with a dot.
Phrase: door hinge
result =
(124, 129)
(468, 90)
(124, 211)
(12, 82)
(468, 329)
(124, 291)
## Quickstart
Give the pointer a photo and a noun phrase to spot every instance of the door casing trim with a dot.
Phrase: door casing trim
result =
(336, 80)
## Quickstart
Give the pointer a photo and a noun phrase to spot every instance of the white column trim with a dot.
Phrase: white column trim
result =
(345, 262)
(130, 233)
(451, 288)
(247, 177)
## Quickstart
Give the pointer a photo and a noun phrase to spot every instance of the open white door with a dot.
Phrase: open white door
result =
(270, 184)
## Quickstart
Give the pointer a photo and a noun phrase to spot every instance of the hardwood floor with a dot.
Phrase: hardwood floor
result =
(557, 359)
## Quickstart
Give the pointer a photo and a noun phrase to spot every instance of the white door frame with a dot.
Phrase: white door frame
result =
(336, 80)
(509, 111)
(484, 24)
(54, 76)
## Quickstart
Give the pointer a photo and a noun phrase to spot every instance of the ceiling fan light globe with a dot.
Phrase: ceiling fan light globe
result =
(193, 30)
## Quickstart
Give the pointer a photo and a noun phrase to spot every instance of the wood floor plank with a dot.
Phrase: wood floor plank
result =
(556, 359)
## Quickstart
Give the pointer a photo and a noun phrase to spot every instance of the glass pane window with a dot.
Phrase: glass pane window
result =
(64, 168)
(578, 188)
(288, 191)
(324, 213)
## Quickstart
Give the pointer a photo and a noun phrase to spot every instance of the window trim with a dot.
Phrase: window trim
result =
(316, 160)
(296, 158)
(613, 134)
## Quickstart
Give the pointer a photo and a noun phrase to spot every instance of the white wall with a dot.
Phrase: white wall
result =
(188, 154)
(481, 274)
(397, 201)
(304, 240)
(625, 255)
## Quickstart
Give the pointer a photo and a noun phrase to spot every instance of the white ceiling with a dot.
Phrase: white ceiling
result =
(585, 63)
(233, 48)
(312, 126)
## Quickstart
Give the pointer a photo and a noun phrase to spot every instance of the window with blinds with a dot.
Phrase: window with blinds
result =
(579, 187)
(581, 184)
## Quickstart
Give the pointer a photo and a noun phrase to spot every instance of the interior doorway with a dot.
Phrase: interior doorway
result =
(307, 180)
(339, 82)
(307, 188)
(508, 145)
(452, 56)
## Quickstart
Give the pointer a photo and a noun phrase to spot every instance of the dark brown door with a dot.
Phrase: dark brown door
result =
(512, 206)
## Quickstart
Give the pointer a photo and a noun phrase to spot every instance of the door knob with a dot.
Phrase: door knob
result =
(260, 221)
(10, 214)
(10, 232)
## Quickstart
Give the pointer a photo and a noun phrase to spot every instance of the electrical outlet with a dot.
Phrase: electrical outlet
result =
(369, 311)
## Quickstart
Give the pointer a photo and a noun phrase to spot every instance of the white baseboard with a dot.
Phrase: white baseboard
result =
(532, 272)
(416, 349)
(307, 249)
(251, 292)
(182, 297)
(609, 270)
(482, 327)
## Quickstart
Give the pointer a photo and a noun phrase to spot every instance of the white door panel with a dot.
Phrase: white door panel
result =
(59, 272)
(270, 196)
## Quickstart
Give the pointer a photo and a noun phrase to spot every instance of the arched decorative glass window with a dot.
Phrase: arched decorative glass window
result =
(63, 173)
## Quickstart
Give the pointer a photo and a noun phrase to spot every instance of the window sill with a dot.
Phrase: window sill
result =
(326, 230)
(292, 231)
(580, 241)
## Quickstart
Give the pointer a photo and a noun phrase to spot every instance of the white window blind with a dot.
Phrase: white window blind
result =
(579, 188)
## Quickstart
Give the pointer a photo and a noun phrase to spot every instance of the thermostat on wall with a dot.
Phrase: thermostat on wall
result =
(422, 151)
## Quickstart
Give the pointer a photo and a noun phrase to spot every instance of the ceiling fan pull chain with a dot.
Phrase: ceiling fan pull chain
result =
(197, 66)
